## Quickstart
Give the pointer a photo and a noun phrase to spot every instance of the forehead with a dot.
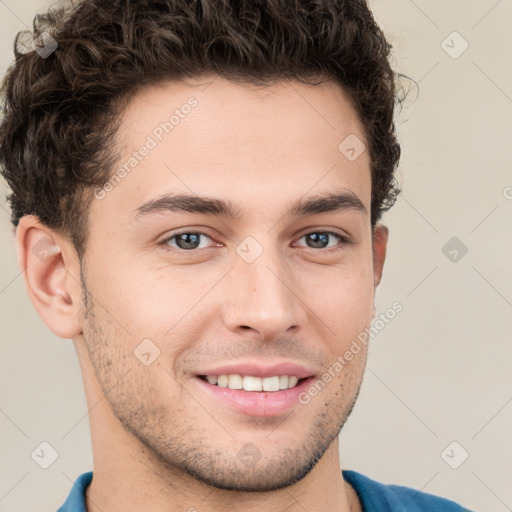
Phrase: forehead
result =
(217, 138)
(230, 112)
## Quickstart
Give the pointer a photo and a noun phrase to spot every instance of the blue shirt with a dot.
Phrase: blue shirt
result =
(374, 496)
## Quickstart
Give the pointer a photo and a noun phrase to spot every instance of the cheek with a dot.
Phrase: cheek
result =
(157, 300)
(160, 304)
(341, 296)
(138, 294)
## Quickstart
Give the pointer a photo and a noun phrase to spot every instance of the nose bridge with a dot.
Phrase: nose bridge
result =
(262, 292)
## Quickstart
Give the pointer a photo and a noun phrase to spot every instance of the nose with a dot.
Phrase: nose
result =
(263, 296)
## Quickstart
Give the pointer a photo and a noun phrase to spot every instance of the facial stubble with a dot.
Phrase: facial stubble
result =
(175, 441)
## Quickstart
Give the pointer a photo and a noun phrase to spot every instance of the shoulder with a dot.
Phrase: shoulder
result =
(378, 497)
(75, 501)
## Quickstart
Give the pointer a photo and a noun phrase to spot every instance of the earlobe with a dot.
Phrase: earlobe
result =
(380, 240)
(49, 268)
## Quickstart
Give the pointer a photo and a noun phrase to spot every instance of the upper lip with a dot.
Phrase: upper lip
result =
(260, 370)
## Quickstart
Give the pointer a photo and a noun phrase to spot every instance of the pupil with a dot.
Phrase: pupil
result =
(320, 239)
(186, 238)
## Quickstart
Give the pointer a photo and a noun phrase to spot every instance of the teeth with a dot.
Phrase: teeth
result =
(235, 382)
(270, 383)
(250, 383)
(212, 379)
(292, 381)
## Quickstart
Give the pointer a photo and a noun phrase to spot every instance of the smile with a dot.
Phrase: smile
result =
(251, 383)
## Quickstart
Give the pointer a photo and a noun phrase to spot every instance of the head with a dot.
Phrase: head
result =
(279, 115)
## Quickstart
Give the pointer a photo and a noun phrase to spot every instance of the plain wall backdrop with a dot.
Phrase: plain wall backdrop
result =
(438, 385)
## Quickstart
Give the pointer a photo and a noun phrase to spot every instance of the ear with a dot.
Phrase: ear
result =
(51, 274)
(380, 241)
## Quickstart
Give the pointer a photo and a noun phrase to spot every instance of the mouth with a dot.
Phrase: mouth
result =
(252, 395)
(251, 383)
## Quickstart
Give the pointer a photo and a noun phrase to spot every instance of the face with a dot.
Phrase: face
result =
(251, 282)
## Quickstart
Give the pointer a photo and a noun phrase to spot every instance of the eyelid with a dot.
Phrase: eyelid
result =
(344, 240)
(173, 235)
(334, 231)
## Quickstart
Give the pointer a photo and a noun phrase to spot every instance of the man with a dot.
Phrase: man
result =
(197, 189)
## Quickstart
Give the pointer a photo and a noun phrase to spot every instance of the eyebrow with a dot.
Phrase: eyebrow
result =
(315, 205)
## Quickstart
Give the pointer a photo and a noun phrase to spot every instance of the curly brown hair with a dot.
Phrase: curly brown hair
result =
(61, 112)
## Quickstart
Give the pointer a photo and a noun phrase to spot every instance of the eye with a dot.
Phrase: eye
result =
(320, 239)
(186, 241)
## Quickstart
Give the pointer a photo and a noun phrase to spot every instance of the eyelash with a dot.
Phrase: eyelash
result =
(342, 241)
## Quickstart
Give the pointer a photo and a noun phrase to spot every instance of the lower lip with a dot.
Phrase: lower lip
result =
(257, 403)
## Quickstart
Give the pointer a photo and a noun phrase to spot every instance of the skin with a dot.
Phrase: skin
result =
(159, 443)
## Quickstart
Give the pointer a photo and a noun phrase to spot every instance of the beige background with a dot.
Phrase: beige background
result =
(440, 371)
